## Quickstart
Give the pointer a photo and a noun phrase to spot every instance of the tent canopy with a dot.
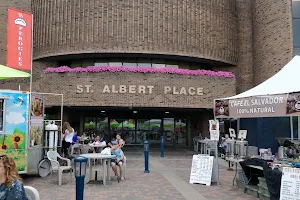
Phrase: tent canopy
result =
(6, 72)
(276, 97)
(285, 81)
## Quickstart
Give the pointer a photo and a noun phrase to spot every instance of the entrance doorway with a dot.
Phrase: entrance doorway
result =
(137, 130)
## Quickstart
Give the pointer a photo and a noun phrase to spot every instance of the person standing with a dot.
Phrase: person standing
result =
(11, 186)
(67, 138)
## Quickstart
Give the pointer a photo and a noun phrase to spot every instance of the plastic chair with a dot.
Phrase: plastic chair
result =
(32, 193)
(85, 150)
(55, 166)
(72, 147)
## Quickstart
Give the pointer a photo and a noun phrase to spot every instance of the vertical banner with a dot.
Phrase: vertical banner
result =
(19, 39)
(214, 130)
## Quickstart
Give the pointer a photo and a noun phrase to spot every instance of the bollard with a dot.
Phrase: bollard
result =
(174, 142)
(162, 146)
(80, 171)
(146, 155)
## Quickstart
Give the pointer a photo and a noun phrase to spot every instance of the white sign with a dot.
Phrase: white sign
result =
(290, 184)
(242, 134)
(232, 133)
(214, 130)
(201, 172)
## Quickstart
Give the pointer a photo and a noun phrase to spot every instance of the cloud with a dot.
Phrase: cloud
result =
(15, 118)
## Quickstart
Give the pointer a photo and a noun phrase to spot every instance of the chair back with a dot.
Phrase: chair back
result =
(84, 148)
(52, 156)
(32, 193)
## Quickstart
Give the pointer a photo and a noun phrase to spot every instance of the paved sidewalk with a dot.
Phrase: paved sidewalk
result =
(168, 179)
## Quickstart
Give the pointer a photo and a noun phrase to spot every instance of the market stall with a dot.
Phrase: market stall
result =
(279, 96)
(22, 123)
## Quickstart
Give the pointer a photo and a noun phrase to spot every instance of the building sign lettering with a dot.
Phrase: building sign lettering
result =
(140, 89)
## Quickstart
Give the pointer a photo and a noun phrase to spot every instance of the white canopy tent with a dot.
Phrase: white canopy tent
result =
(287, 80)
(283, 83)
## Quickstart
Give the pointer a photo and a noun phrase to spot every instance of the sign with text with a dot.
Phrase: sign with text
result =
(139, 89)
(214, 130)
(290, 184)
(19, 39)
(201, 172)
(260, 106)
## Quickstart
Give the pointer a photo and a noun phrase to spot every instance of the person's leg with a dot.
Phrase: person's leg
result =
(114, 168)
(67, 146)
(121, 170)
(63, 148)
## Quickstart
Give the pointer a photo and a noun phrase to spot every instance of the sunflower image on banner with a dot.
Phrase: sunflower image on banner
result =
(13, 138)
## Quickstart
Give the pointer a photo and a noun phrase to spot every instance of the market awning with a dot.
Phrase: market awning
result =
(278, 96)
(6, 72)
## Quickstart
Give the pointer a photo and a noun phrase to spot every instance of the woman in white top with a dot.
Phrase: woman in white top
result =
(68, 133)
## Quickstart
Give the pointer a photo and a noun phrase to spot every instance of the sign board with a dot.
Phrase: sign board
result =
(290, 184)
(232, 133)
(19, 39)
(201, 172)
(278, 105)
(242, 134)
(214, 130)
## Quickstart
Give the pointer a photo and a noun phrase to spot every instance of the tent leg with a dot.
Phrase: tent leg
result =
(292, 128)
(238, 126)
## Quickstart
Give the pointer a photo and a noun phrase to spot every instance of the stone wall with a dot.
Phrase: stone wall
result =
(88, 89)
(202, 29)
(272, 37)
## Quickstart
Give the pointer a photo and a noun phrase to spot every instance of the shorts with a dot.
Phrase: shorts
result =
(114, 161)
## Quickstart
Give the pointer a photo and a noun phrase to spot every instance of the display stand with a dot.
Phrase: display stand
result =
(208, 148)
(37, 151)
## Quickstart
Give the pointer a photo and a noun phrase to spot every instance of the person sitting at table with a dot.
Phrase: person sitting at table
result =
(118, 161)
(75, 143)
(98, 141)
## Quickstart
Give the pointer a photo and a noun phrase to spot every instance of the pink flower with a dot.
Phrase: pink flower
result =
(96, 69)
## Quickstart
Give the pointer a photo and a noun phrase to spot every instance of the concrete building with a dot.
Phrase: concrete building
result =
(252, 39)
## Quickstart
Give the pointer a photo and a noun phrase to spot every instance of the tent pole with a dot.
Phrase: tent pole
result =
(292, 128)
(238, 127)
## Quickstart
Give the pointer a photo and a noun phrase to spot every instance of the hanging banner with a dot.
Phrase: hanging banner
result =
(260, 106)
(19, 39)
(214, 130)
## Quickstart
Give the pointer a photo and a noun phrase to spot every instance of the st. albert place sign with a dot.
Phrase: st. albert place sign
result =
(139, 89)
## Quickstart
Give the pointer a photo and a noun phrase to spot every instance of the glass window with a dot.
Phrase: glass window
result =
(158, 65)
(172, 66)
(115, 64)
(180, 131)
(126, 64)
(1, 114)
(76, 63)
(296, 9)
(88, 62)
(297, 51)
(184, 65)
(144, 64)
(296, 28)
(101, 64)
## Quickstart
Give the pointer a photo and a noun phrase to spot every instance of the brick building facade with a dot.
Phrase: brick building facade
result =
(251, 38)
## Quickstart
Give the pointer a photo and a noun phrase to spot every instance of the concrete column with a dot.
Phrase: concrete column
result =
(189, 131)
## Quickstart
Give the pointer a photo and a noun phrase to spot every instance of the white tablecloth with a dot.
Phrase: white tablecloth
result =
(106, 163)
